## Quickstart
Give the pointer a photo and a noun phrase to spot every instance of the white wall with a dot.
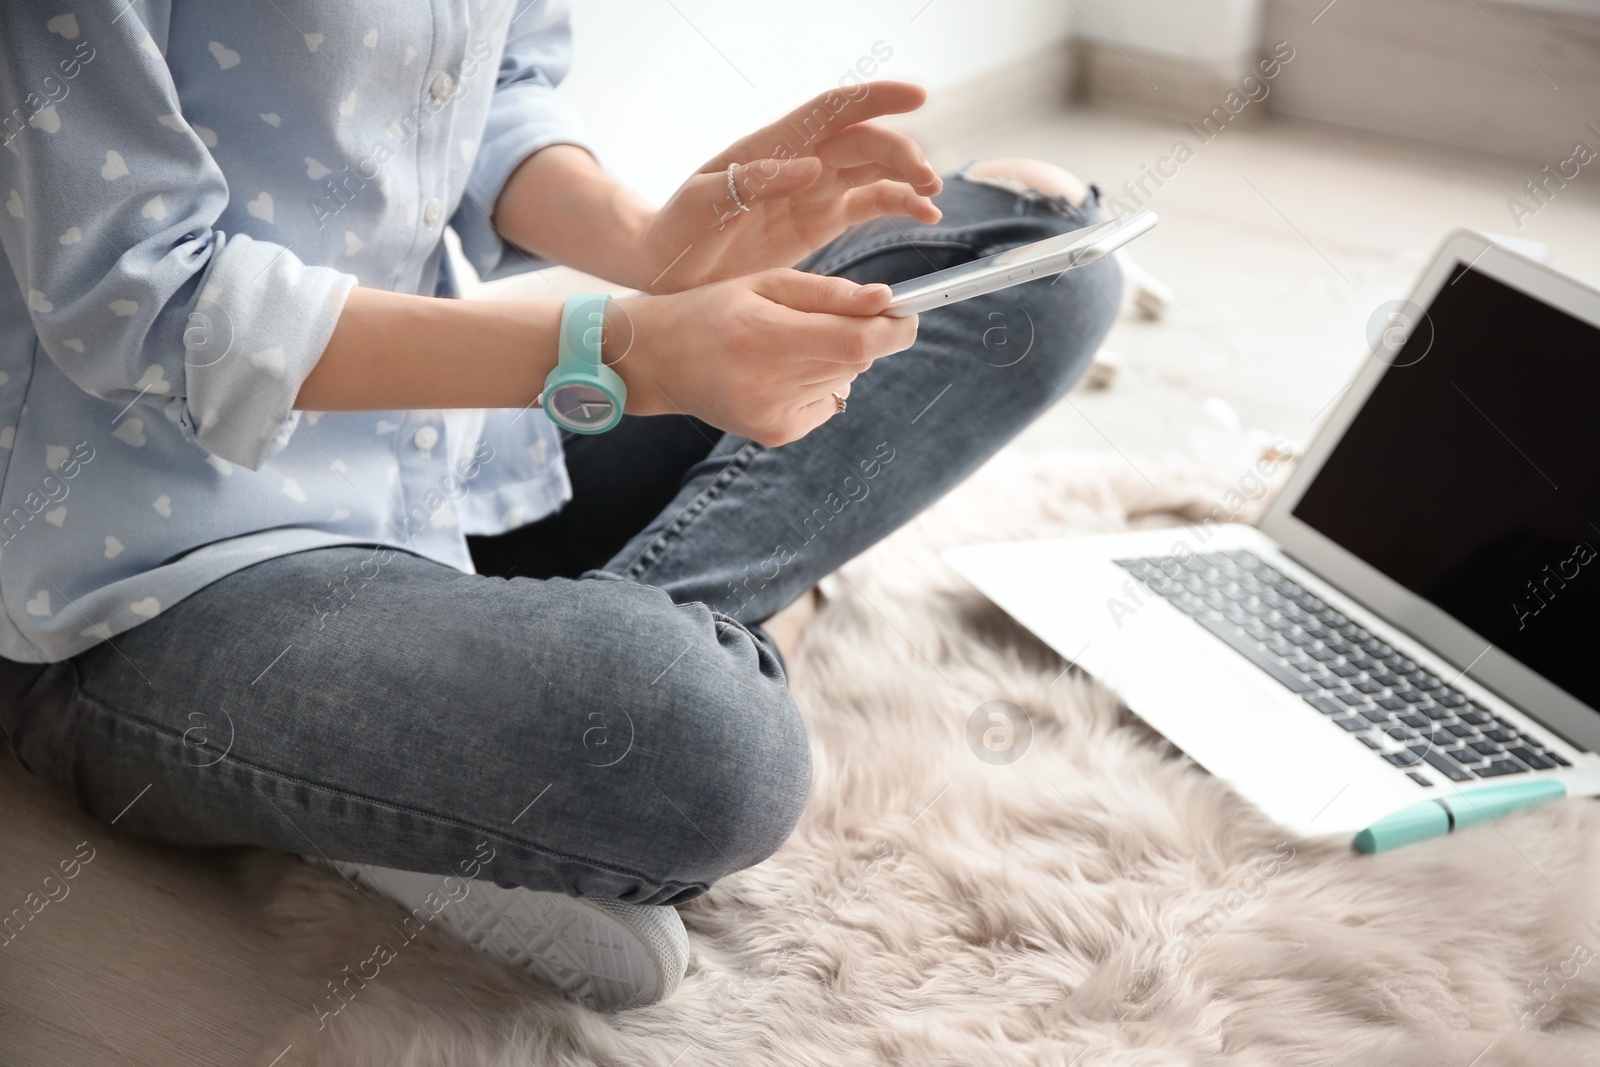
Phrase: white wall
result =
(660, 100)
(1202, 31)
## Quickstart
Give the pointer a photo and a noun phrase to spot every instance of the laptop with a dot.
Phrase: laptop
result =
(1419, 611)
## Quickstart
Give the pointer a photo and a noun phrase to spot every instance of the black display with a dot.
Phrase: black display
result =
(1471, 476)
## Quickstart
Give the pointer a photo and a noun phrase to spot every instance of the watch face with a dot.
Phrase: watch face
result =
(582, 407)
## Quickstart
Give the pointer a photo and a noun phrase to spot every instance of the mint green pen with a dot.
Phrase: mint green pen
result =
(1443, 815)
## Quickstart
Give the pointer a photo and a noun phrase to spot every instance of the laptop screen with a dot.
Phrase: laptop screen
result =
(1471, 476)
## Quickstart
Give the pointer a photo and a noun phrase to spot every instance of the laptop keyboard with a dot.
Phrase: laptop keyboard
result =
(1404, 713)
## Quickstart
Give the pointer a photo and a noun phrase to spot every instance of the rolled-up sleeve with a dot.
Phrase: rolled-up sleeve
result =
(110, 225)
(526, 114)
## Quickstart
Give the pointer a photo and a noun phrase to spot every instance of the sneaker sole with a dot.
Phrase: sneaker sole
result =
(601, 953)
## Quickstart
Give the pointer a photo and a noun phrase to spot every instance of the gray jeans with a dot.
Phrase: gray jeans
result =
(624, 733)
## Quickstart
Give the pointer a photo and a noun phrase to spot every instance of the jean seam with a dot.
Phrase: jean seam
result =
(692, 511)
(391, 808)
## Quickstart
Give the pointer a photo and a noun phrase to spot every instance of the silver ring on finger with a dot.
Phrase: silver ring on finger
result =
(839, 404)
(733, 190)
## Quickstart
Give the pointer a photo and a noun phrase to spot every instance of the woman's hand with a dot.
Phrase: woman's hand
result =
(805, 179)
(758, 356)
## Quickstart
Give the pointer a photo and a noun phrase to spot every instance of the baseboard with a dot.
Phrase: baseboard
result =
(1509, 79)
(1117, 76)
(1025, 88)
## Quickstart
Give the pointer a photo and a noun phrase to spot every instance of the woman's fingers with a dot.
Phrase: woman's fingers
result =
(822, 116)
(820, 293)
(852, 340)
(771, 179)
(827, 374)
(869, 143)
(824, 407)
(888, 198)
(837, 320)
(867, 173)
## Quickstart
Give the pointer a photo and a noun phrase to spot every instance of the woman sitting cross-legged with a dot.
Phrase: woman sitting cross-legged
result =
(462, 597)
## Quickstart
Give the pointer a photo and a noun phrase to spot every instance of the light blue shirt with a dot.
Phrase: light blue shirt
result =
(188, 199)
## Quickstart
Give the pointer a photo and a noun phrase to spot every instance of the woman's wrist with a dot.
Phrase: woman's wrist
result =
(561, 205)
(627, 349)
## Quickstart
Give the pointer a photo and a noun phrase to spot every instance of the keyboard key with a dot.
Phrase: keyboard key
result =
(1384, 678)
(1532, 759)
(1419, 779)
(1399, 733)
(1460, 730)
(1413, 720)
(1440, 739)
(1352, 698)
(1366, 686)
(1391, 703)
(1320, 654)
(1402, 759)
(1498, 768)
(1445, 766)
(1376, 716)
(1435, 712)
(1463, 755)
(1368, 740)
(1488, 748)
(1351, 724)
(1555, 757)
(1475, 717)
(1279, 647)
(1250, 651)
(1326, 706)
(1452, 699)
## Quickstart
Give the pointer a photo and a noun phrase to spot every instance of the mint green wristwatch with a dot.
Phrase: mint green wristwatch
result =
(582, 394)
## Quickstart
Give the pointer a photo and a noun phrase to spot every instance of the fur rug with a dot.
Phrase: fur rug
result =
(1099, 901)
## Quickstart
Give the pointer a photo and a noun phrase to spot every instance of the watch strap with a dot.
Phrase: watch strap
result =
(583, 318)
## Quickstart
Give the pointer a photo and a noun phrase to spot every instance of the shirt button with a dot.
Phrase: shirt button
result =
(442, 88)
(426, 438)
(431, 213)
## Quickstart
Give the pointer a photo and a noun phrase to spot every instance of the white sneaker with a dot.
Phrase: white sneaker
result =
(1149, 296)
(604, 954)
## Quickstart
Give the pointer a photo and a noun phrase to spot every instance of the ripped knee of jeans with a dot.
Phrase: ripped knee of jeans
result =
(1029, 178)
